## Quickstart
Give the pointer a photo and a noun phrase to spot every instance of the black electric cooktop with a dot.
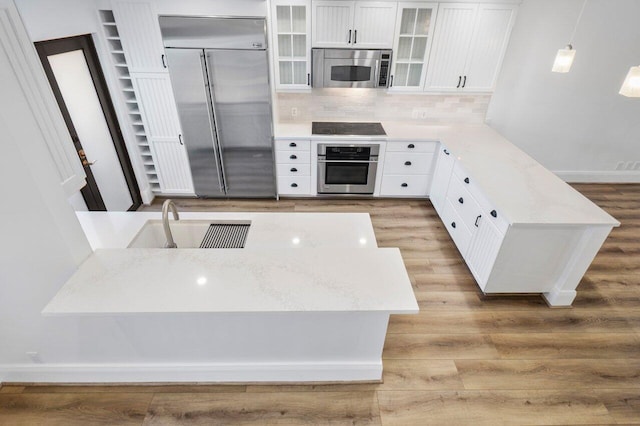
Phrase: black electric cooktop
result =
(345, 128)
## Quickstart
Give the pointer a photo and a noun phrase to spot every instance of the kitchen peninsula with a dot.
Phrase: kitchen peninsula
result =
(307, 299)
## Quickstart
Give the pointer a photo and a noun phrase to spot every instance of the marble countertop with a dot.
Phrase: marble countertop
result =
(518, 186)
(332, 265)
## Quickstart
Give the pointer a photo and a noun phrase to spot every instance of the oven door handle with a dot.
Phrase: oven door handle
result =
(347, 161)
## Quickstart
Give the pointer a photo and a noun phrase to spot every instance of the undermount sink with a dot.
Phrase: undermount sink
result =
(192, 233)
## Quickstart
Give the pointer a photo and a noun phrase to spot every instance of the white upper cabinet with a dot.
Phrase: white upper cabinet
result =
(291, 20)
(414, 34)
(491, 37)
(452, 39)
(140, 35)
(469, 44)
(366, 25)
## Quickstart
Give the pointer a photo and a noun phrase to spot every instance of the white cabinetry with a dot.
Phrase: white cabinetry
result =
(158, 126)
(407, 169)
(293, 167)
(292, 43)
(140, 35)
(469, 45)
(441, 177)
(412, 44)
(366, 25)
(160, 117)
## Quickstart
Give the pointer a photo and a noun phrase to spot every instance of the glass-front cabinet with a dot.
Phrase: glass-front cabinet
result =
(292, 43)
(414, 34)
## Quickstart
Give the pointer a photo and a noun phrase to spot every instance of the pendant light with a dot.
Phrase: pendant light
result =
(564, 57)
(631, 86)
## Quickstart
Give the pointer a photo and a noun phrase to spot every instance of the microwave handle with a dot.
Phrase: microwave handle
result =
(376, 74)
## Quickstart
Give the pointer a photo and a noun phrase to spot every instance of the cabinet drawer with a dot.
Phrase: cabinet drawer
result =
(457, 229)
(412, 146)
(404, 163)
(464, 203)
(293, 157)
(289, 145)
(294, 185)
(461, 176)
(293, 169)
(405, 186)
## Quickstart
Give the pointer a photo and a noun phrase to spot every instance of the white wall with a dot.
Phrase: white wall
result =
(573, 123)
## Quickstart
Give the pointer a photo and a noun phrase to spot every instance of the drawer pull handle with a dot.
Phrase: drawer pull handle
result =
(407, 163)
(494, 213)
(477, 219)
(466, 180)
(293, 157)
(404, 185)
(411, 146)
(445, 151)
(294, 185)
(461, 200)
(453, 224)
(293, 145)
(293, 169)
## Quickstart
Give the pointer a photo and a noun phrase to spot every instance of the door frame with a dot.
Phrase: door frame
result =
(91, 192)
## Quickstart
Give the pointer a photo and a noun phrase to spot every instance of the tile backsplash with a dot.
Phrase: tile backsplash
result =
(376, 105)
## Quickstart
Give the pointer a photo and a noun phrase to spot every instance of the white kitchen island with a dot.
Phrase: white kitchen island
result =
(307, 299)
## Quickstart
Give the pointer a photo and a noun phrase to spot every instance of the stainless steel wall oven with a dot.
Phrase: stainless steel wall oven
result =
(347, 169)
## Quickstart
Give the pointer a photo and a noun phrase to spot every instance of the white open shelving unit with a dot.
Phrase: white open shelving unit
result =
(119, 62)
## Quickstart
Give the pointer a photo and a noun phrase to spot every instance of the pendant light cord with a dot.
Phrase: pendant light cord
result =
(584, 3)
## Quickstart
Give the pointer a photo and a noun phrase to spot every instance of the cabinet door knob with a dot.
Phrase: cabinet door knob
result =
(445, 151)
(164, 64)
(404, 185)
(411, 146)
(293, 144)
(407, 163)
(453, 224)
(293, 169)
(461, 200)
(180, 139)
(294, 185)
(466, 180)
(477, 219)
(293, 157)
(494, 213)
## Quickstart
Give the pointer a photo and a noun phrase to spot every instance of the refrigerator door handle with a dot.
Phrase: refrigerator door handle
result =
(212, 113)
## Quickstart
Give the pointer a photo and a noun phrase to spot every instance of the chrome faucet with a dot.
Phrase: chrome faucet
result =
(165, 222)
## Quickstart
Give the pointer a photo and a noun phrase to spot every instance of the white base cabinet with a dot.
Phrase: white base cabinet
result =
(509, 257)
(293, 167)
(407, 169)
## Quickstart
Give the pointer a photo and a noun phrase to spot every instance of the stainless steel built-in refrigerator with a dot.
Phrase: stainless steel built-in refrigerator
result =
(219, 74)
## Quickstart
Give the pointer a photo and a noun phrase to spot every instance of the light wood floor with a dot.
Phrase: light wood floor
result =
(465, 359)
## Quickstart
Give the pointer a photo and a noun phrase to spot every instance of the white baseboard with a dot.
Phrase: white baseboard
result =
(192, 372)
(599, 176)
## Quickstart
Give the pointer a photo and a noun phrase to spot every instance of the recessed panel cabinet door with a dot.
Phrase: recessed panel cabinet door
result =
(490, 39)
(332, 23)
(451, 42)
(441, 178)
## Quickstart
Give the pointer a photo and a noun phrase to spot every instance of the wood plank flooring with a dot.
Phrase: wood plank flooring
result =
(465, 359)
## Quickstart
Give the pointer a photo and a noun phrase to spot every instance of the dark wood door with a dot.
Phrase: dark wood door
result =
(91, 191)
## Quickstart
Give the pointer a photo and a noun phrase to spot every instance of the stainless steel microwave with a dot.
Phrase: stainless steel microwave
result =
(350, 68)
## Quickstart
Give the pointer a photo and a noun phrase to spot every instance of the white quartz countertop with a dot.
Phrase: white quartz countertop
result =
(292, 262)
(122, 281)
(520, 188)
(268, 230)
